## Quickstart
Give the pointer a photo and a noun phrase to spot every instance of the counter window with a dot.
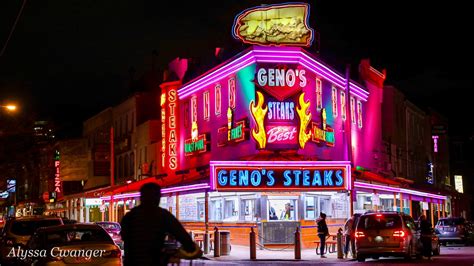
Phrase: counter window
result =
(334, 205)
(282, 209)
(230, 210)
(248, 209)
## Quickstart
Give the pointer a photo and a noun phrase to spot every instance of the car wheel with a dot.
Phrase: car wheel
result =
(360, 259)
(437, 251)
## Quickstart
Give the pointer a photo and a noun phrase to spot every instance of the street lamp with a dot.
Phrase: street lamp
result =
(9, 107)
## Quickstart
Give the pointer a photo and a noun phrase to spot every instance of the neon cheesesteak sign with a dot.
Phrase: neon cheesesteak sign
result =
(293, 175)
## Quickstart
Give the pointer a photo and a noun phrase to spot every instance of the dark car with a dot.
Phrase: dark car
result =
(454, 229)
(384, 234)
(73, 244)
(17, 232)
(113, 229)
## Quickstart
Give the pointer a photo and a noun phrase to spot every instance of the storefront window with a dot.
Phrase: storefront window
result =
(248, 212)
(230, 210)
(187, 207)
(282, 209)
(333, 204)
(215, 212)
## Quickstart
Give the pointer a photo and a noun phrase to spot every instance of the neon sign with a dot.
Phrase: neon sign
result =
(319, 94)
(435, 143)
(230, 135)
(334, 100)
(280, 24)
(359, 113)
(323, 134)
(279, 176)
(353, 114)
(57, 175)
(232, 92)
(196, 145)
(217, 99)
(258, 114)
(343, 106)
(281, 134)
(305, 117)
(207, 105)
(172, 138)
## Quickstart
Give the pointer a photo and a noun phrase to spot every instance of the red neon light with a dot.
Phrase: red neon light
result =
(343, 105)
(232, 92)
(172, 138)
(217, 99)
(281, 134)
(319, 94)
(334, 101)
(207, 105)
(57, 179)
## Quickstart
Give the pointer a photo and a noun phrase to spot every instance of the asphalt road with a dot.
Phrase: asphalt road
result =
(450, 256)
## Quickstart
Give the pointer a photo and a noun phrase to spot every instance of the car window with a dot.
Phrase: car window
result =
(451, 222)
(27, 228)
(371, 222)
(76, 236)
(110, 226)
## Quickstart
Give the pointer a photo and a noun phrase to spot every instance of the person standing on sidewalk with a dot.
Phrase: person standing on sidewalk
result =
(323, 231)
(425, 233)
(348, 232)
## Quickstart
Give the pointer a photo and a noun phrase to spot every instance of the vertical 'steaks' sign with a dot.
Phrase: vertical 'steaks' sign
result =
(280, 24)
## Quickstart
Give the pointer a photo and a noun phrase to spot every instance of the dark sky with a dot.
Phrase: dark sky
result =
(68, 60)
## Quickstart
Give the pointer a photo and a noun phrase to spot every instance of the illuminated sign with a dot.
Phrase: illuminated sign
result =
(282, 134)
(429, 175)
(343, 106)
(229, 135)
(169, 123)
(279, 175)
(353, 112)
(458, 183)
(280, 24)
(334, 100)
(281, 82)
(319, 94)
(232, 92)
(435, 143)
(305, 116)
(93, 202)
(57, 176)
(359, 113)
(196, 145)
(207, 105)
(323, 134)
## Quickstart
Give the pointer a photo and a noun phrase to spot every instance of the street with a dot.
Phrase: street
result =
(451, 255)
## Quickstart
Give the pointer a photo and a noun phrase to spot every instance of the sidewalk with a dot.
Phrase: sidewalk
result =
(242, 253)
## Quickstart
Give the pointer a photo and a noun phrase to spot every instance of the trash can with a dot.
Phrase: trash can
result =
(225, 242)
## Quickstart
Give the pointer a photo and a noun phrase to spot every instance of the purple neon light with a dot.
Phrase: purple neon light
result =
(271, 55)
(357, 88)
(211, 79)
(163, 191)
(213, 164)
(399, 190)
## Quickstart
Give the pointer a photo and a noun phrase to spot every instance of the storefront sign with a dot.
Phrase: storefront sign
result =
(198, 145)
(93, 202)
(458, 183)
(279, 24)
(278, 175)
(323, 134)
(230, 135)
(57, 177)
(282, 81)
(169, 122)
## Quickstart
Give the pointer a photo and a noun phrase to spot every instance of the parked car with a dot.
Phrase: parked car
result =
(383, 234)
(113, 229)
(68, 221)
(17, 232)
(454, 229)
(83, 243)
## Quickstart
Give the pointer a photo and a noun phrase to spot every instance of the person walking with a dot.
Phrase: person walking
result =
(425, 235)
(323, 231)
(144, 229)
(348, 232)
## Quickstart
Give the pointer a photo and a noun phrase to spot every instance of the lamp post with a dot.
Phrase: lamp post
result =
(11, 108)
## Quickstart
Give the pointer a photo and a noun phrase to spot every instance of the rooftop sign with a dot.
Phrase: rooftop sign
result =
(280, 24)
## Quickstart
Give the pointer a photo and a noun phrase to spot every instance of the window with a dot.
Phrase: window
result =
(282, 209)
(343, 106)
(385, 221)
(248, 211)
(334, 205)
(230, 209)
(215, 210)
(359, 113)
(218, 99)
(232, 92)
(206, 106)
(132, 165)
(319, 94)
(334, 101)
(353, 113)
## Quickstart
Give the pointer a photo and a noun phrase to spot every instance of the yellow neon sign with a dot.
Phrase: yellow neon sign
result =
(305, 117)
(258, 114)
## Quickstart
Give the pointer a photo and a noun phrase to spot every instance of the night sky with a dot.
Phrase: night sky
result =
(68, 60)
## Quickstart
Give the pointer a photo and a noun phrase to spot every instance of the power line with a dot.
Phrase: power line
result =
(13, 28)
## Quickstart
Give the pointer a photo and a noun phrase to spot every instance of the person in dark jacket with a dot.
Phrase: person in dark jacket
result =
(425, 234)
(144, 229)
(323, 232)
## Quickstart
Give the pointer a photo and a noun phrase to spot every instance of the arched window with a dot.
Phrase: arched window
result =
(120, 173)
(132, 164)
(127, 166)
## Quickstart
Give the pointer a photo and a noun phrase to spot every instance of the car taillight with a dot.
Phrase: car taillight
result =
(378, 215)
(114, 253)
(399, 234)
(359, 234)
